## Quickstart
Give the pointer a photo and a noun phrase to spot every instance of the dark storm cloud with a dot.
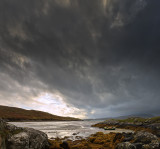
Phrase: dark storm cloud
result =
(97, 54)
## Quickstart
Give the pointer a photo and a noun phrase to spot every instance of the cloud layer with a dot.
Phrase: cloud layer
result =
(100, 57)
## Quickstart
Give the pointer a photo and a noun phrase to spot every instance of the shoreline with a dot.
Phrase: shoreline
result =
(143, 137)
(146, 135)
(42, 120)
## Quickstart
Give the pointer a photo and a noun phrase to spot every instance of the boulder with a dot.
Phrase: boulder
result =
(144, 137)
(28, 139)
(12, 137)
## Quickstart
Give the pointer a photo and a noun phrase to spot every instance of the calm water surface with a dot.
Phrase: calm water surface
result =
(71, 129)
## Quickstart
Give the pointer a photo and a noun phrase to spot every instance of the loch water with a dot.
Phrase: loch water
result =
(70, 129)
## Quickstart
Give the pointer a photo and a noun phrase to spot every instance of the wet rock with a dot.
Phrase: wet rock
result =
(79, 137)
(76, 133)
(126, 145)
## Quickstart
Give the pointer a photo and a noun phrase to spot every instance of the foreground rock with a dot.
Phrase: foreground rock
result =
(141, 140)
(12, 137)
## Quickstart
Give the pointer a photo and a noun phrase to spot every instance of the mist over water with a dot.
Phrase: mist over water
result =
(70, 129)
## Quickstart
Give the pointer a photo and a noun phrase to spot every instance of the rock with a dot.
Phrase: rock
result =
(128, 137)
(146, 146)
(2, 124)
(12, 137)
(65, 145)
(28, 139)
(126, 145)
(110, 122)
(79, 137)
(76, 133)
(158, 133)
(2, 143)
(154, 144)
(155, 126)
(138, 145)
(118, 136)
(144, 137)
(18, 141)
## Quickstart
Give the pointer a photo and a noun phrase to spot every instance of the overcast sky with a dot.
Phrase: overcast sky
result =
(81, 58)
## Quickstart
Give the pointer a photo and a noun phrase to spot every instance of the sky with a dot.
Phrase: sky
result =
(81, 58)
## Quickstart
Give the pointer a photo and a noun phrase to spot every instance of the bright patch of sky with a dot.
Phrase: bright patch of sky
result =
(55, 104)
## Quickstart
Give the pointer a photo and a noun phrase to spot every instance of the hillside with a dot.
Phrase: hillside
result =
(18, 114)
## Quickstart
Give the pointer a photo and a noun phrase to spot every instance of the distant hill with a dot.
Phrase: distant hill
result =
(142, 115)
(18, 114)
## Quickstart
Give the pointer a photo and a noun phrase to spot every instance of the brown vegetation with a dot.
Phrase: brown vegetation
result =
(96, 141)
(18, 114)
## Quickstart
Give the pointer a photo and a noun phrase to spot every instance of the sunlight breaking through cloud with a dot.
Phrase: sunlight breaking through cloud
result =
(55, 104)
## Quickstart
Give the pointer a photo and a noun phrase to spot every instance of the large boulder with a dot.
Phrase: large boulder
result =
(12, 137)
(148, 140)
(28, 139)
(144, 137)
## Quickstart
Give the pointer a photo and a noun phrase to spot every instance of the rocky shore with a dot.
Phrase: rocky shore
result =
(145, 135)
(146, 132)
(151, 125)
(12, 137)
(138, 140)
